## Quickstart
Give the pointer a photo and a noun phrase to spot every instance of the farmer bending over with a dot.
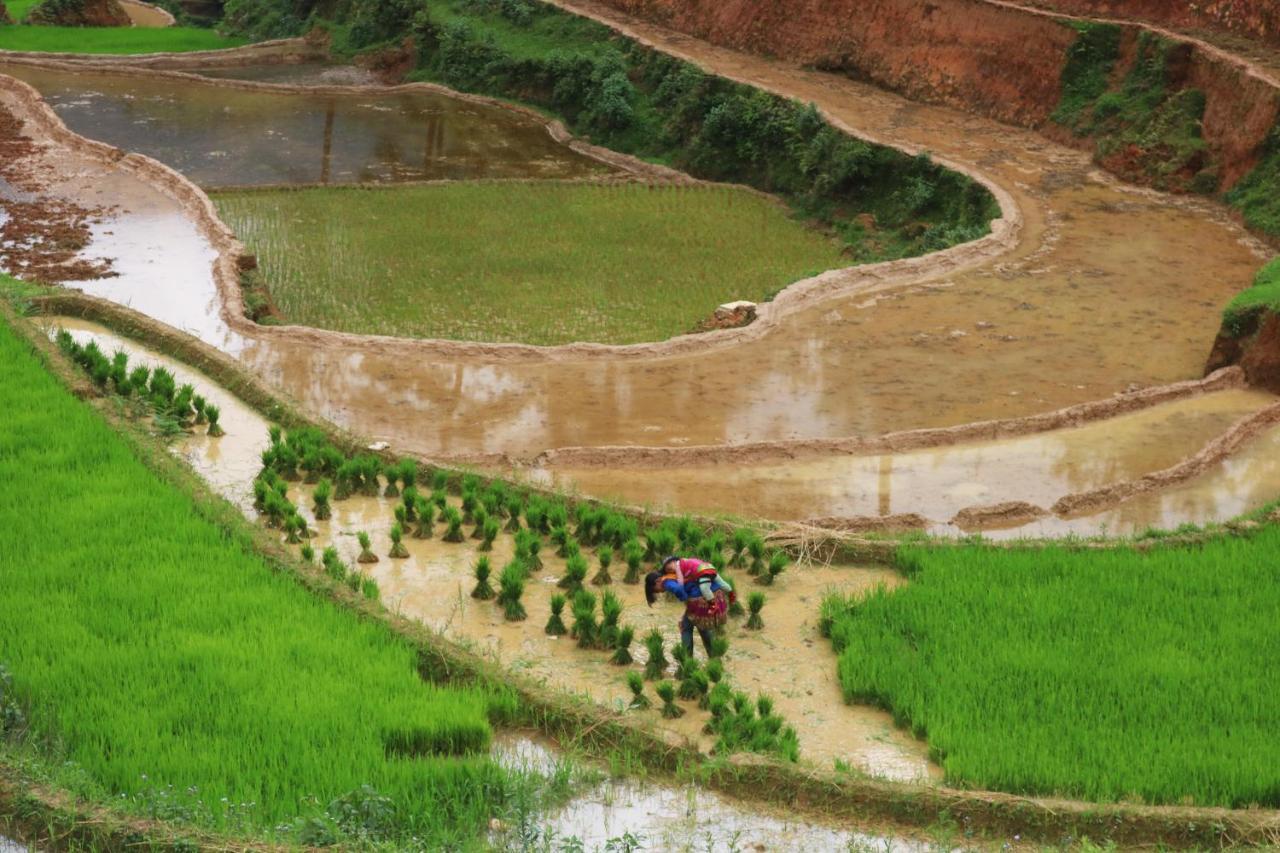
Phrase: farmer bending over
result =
(705, 594)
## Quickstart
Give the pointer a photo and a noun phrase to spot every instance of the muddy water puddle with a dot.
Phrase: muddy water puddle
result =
(935, 483)
(220, 136)
(675, 818)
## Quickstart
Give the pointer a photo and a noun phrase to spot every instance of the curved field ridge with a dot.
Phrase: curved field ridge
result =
(1108, 675)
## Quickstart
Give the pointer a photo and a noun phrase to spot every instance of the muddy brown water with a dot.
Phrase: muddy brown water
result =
(296, 74)
(935, 483)
(230, 137)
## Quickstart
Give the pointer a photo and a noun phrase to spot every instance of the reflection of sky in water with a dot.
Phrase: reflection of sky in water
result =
(227, 137)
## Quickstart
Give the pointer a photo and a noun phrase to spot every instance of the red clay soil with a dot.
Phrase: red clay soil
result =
(1255, 19)
(86, 13)
(40, 237)
(998, 59)
(1261, 360)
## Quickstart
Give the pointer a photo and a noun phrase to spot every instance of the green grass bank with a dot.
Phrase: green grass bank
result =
(1108, 675)
(172, 672)
(105, 40)
(540, 263)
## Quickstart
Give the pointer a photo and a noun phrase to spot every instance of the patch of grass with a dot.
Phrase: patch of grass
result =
(1148, 128)
(1105, 675)
(538, 263)
(113, 40)
(118, 40)
(1263, 295)
(1087, 71)
(187, 679)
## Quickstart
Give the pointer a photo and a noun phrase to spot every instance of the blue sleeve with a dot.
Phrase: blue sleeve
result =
(675, 589)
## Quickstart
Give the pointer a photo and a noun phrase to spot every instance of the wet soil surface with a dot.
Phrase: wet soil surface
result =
(42, 237)
(296, 74)
(229, 137)
(677, 818)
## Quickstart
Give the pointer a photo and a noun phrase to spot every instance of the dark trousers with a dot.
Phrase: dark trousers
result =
(686, 635)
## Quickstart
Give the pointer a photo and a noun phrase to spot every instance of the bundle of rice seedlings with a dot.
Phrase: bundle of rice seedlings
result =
(199, 403)
(492, 527)
(755, 603)
(369, 588)
(391, 471)
(778, 561)
(741, 539)
(453, 521)
(513, 508)
(308, 554)
(633, 553)
(482, 591)
(398, 551)
(469, 504)
(735, 601)
(213, 413)
(409, 500)
(510, 589)
(602, 577)
(719, 646)
(480, 517)
(656, 665)
(439, 481)
(667, 693)
(687, 671)
(611, 610)
(622, 647)
(575, 572)
(366, 555)
(639, 702)
(755, 547)
(333, 565)
(555, 624)
(426, 513)
(585, 627)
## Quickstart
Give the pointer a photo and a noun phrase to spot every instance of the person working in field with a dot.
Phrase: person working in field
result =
(705, 594)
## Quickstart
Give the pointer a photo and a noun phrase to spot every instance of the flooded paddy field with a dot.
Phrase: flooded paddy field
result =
(220, 136)
(937, 483)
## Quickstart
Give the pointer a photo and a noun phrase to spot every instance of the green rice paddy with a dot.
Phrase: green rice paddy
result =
(119, 40)
(539, 263)
(1105, 675)
(156, 652)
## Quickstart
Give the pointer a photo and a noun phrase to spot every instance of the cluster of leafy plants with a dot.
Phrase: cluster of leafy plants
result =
(174, 407)
(1148, 128)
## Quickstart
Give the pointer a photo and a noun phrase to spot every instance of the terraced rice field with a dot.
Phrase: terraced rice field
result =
(538, 263)
(184, 676)
(1096, 674)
